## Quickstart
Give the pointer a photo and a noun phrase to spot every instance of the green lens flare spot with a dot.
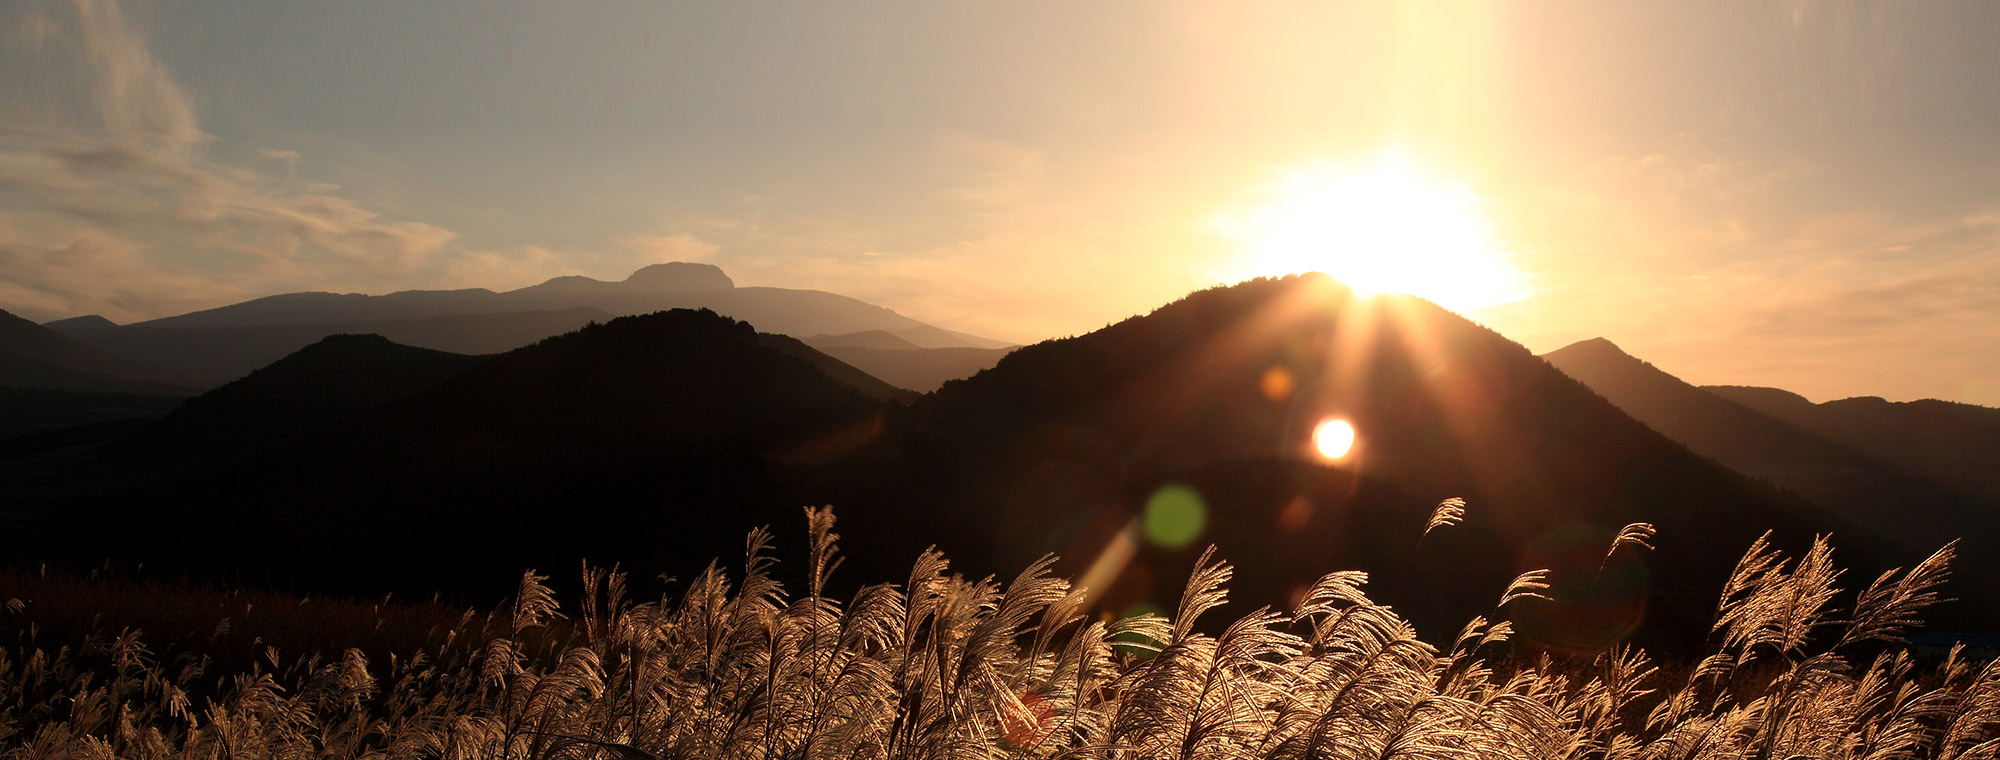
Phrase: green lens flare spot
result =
(1175, 516)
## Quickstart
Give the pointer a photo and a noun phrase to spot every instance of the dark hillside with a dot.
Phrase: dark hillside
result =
(327, 382)
(337, 378)
(34, 356)
(1950, 443)
(644, 438)
(32, 411)
(869, 385)
(1063, 442)
(1868, 490)
(1908, 497)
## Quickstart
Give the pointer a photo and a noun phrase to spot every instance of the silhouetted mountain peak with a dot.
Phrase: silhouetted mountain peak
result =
(32, 341)
(681, 275)
(838, 368)
(356, 352)
(337, 377)
(641, 335)
(85, 322)
(1301, 308)
(881, 339)
(349, 341)
(1220, 393)
(1596, 348)
(352, 355)
(669, 278)
(35, 356)
(1777, 402)
(1625, 380)
(675, 367)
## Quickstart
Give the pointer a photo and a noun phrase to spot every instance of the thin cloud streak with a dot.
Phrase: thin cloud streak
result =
(117, 209)
(1712, 268)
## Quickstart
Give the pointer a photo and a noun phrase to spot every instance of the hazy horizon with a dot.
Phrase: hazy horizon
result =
(1796, 195)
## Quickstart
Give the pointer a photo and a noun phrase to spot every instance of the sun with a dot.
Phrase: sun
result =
(1386, 226)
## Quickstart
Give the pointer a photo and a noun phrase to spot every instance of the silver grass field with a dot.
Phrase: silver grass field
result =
(939, 666)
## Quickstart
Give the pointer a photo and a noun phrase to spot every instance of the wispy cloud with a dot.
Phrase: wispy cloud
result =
(138, 97)
(1890, 279)
(118, 209)
(1730, 270)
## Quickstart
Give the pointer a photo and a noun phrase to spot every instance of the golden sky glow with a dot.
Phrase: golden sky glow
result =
(1385, 226)
(1804, 195)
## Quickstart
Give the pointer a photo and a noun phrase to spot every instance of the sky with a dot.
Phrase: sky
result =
(1799, 194)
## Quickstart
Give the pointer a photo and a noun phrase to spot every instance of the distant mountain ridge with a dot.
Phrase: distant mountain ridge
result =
(876, 339)
(34, 356)
(1948, 442)
(1922, 473)
(555, 294)
(921, 369)
(848, 374)
(1818, 467)
(674, 285)
(1927, 444)
(207, 348)
(905, 364)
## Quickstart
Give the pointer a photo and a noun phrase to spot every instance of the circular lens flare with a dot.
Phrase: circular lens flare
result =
(1175, 516)
(1333, 438)
(1277, 384)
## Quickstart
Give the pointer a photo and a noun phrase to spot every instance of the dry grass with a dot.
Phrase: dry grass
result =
(942, 666)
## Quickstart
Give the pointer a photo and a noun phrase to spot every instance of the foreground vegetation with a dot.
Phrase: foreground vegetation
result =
(940, 666)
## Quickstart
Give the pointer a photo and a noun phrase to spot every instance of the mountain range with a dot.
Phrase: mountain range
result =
(63, 393)
(1822, 469)
(1919, 472)
(904, 364)
(656, 440)
(34, 356)
(651, 435)
(205, 349)
(1952, 444)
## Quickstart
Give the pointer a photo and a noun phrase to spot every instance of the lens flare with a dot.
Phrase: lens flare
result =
(1111, 563)
(1031, 724)
(1296, 513)
(1277, 384)
(1333, 438)
(1175, 516)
